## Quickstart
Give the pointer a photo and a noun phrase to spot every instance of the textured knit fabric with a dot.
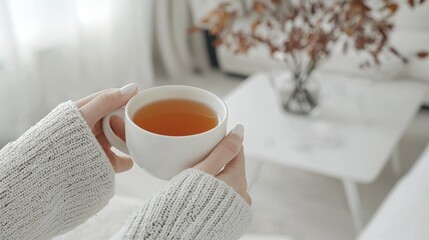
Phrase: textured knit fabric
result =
(53, 177)
(194, 205)
(56, 176)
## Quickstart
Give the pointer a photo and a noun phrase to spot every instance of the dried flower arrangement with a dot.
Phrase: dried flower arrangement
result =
(302, 33)
(310, 27)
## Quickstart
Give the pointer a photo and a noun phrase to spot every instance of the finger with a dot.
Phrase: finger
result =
(81, 102)
(97, 129)
(236, 167)
(118, 127)
(106, 102)
(104, 143)
(117, 124)
(234, 173)
(119, 164)
(223, 153)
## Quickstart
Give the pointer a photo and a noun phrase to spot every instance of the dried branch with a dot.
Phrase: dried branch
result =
(305, 32)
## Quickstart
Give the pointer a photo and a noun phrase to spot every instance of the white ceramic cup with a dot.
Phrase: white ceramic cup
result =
(166, 156)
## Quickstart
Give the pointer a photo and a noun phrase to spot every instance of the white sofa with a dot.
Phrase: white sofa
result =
(404, 214)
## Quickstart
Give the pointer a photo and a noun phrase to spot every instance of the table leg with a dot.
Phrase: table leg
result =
(353, 199)
(396, 162)
(255, 176)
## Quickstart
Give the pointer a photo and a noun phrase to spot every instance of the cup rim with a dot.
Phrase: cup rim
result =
(218, 99)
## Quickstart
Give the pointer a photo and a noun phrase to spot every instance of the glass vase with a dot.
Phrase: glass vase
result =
(297, 94)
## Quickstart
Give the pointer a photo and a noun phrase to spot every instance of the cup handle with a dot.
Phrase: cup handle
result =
(110, 135)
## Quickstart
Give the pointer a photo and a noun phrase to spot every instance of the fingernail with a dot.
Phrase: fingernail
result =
(128, 89)
(238, 131)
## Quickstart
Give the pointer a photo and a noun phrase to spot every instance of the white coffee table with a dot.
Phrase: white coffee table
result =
(356, 133)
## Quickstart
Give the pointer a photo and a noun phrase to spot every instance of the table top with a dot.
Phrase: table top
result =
(360, 124)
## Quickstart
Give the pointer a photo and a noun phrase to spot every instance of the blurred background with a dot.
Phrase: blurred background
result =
(52, 51)
(57, 50)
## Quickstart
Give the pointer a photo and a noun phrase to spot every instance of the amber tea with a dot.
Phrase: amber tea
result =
(176, 117)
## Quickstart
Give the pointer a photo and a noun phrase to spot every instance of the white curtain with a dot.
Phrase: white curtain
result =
(51, 51)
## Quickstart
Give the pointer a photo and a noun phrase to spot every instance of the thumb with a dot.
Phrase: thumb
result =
(223, 153)
(106, 102)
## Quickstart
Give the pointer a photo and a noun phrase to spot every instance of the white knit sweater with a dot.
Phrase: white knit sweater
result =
(56, 176)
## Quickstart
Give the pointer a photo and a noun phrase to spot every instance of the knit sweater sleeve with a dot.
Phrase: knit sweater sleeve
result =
(54, 177)
(194, 205)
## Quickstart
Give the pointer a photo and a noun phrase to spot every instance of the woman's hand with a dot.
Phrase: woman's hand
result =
(226, 162)
(94, 107)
